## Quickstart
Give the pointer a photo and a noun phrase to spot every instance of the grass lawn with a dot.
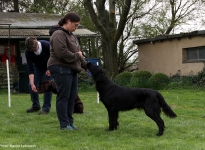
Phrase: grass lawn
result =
(20, 130)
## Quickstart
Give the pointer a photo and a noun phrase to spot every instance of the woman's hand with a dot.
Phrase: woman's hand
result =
(80, 53)
(48, 73)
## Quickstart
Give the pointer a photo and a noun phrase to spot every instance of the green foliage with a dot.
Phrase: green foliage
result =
(178, 81)
(200, 78)
(85, 78)
(123, 79)
(2, 73)
(13, 72)
(202, 82)
(46, 6)
(159, 81)
(140, 79)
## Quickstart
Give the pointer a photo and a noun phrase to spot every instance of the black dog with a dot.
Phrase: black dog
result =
(49, 86)
(117, 98)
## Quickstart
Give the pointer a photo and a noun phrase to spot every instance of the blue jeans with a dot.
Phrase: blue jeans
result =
(38, 75)
(66, 81)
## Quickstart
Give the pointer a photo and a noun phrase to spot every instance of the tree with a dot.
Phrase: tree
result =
(168, 16)
(36, 6)
(180, 12)
(16, 6)
(127, 52)
(106, 23)
(9, 5)
(88, 45)
(111, 24)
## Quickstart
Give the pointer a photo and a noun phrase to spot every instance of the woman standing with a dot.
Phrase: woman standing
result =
(65, 62)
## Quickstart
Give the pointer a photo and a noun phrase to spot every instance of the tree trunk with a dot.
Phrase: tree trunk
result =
(110, 59)
(105, 22)
(16, 6)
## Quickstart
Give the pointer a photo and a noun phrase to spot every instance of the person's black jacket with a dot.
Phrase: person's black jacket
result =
(39, 61)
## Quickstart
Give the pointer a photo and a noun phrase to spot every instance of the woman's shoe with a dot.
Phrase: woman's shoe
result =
(67, 128)
(74, 127)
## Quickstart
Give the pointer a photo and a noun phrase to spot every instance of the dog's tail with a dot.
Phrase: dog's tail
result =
(165, 107)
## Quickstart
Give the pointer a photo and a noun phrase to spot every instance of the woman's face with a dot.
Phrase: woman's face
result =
(71, 26)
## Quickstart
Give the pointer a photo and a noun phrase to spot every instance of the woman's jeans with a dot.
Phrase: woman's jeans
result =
(38, 76)
(66, 81)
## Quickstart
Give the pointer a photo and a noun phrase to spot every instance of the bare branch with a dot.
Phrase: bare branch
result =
(123, 19)
(89, 5)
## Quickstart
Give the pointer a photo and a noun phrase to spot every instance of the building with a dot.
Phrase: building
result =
(16, 27)
(182, 53)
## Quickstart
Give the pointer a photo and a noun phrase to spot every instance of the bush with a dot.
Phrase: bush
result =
(84, 78)
(13, 72)
(159, 81)
(200, 79)
(140, 79)
(123, 79)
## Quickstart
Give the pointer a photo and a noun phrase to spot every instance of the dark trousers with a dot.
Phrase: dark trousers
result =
(66, 81)
(38, 75)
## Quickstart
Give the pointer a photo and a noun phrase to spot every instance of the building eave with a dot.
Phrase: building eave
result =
(170, 37)
(17, 25)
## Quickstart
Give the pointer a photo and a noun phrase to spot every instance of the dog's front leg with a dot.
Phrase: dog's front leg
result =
(113, 116)
(111, 127)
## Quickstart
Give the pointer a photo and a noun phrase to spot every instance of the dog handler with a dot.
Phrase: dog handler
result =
(66, 60)
(37, 54)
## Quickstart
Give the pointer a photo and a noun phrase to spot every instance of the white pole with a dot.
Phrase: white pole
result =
(98, 101)
(8, 79)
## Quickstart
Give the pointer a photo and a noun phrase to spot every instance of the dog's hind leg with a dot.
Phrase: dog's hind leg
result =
(115, 119)
(155, 116)
(160, 125)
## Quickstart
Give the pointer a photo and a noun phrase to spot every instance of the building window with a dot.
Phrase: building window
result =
(194, 54)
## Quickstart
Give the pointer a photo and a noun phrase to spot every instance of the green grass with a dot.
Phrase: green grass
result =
(19, 130)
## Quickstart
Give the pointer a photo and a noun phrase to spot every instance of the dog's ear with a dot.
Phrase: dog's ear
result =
(47, 86)
(44, 87)
(53, 87)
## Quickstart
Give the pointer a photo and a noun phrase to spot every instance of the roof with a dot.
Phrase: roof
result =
(170, 37)
(33, 24)
(16, 33)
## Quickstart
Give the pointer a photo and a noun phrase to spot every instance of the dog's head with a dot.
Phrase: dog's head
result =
(78, 108)
(44, 87)
(47, 86)
(97, 72)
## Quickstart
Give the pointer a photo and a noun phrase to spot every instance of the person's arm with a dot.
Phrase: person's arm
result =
(83, 63)
(31, 80)
(30, 62)
(30, 68)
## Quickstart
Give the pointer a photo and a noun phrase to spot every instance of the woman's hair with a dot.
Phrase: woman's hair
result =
(31, 43)
(72, 16)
